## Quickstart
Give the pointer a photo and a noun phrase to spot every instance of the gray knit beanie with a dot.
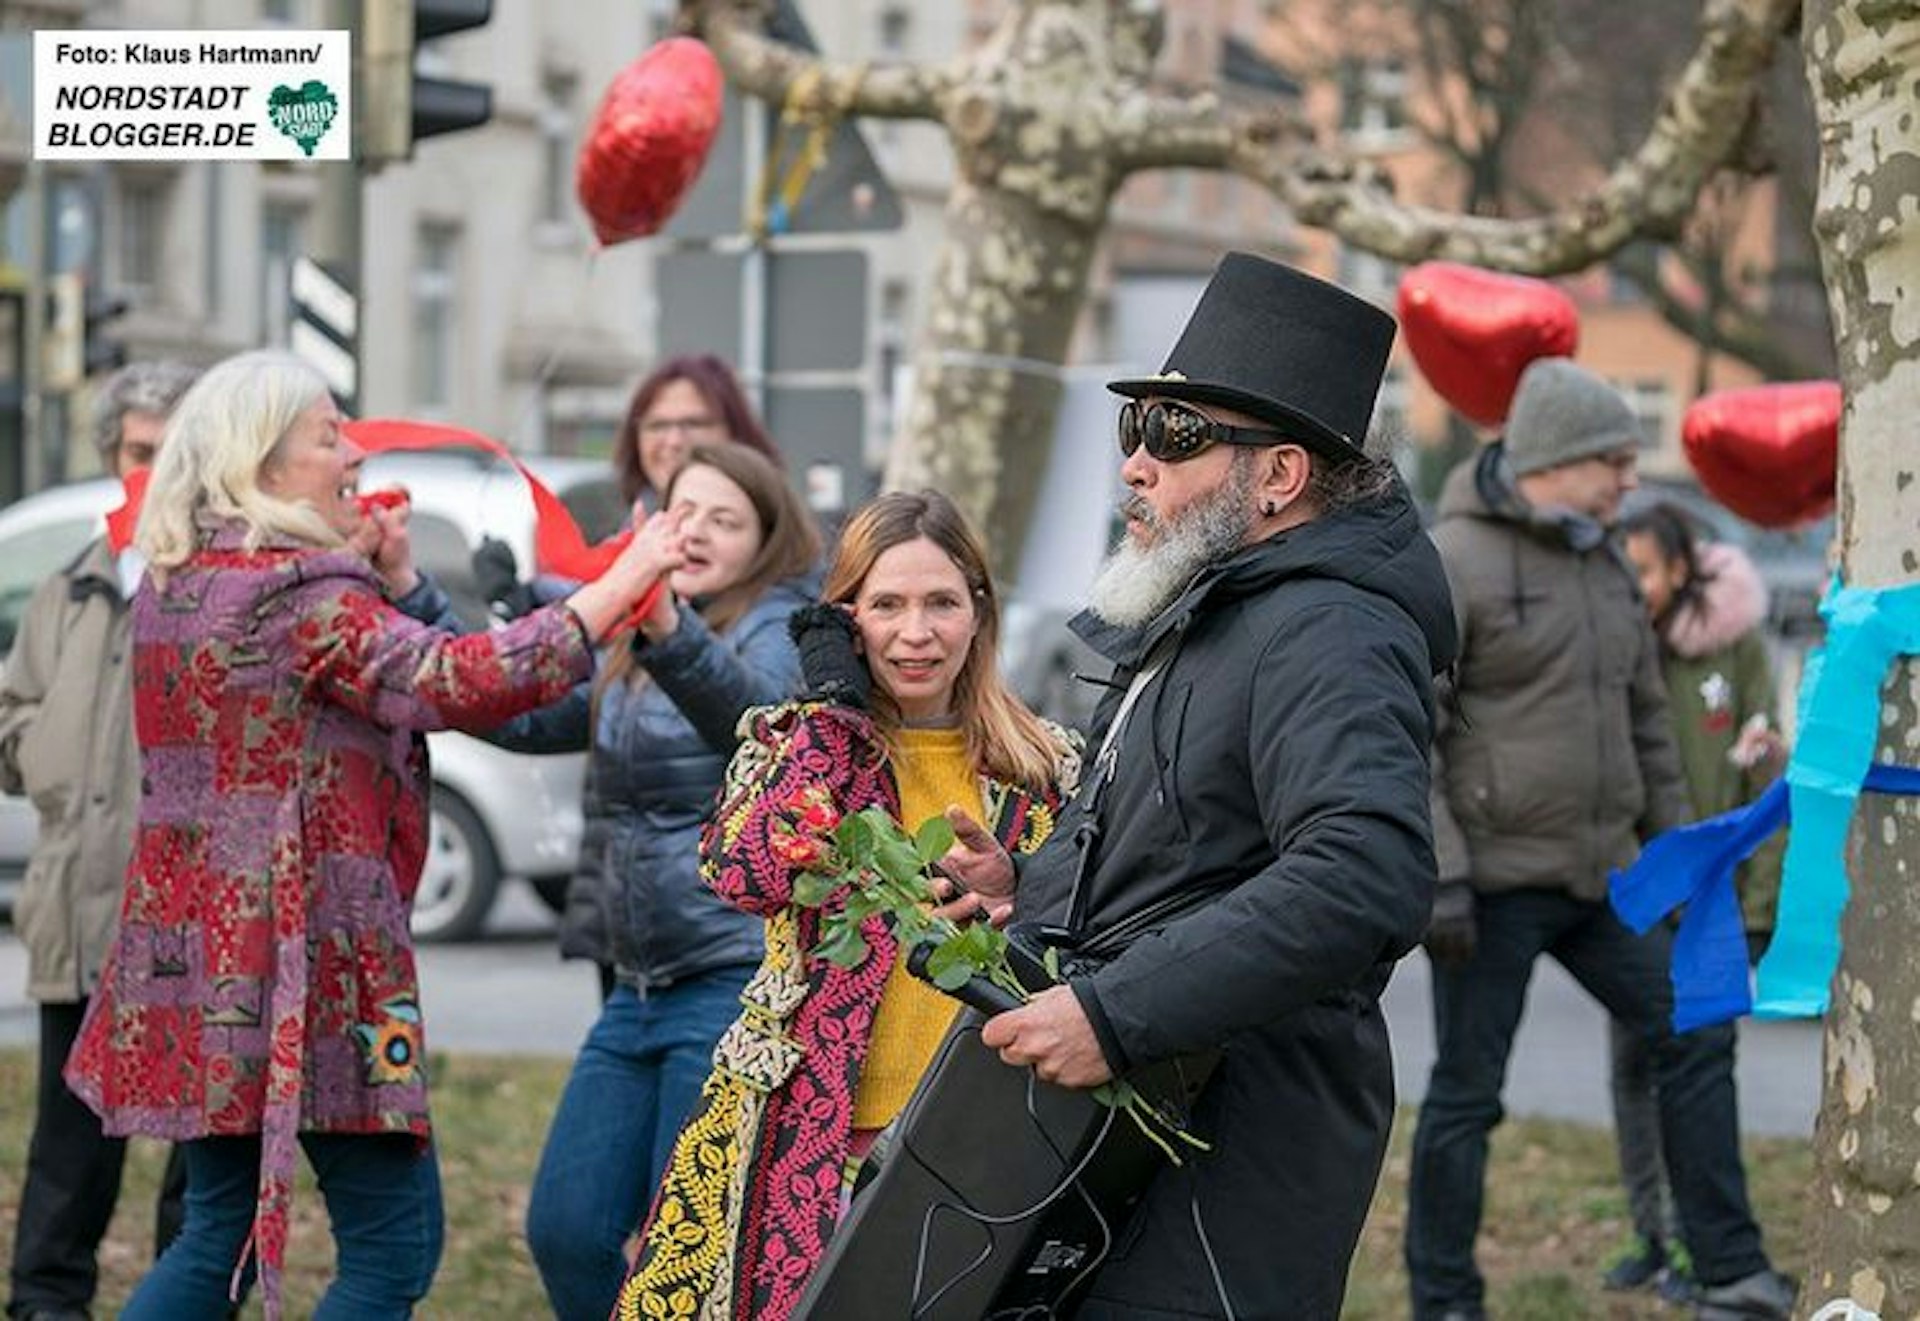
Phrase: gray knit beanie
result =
(1562, 413)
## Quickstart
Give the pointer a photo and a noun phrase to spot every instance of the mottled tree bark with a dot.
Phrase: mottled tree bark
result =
(1052, 113)
(1861, 57)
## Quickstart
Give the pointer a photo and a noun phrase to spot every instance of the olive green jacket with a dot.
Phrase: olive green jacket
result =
(1718, 677)
(1554, 759)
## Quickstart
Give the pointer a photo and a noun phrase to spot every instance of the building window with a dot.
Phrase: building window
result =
(1651, 400)
(143, 233)
(282, 239)
(435, 286)
(896, 25)
(556, 150)
(1373, 100)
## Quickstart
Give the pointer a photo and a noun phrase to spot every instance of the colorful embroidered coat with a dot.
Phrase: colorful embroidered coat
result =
(752, 1192)
(263, 977)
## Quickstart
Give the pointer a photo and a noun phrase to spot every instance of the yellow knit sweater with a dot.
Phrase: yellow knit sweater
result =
(933, 771)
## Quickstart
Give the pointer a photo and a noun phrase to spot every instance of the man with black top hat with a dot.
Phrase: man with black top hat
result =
(1252, 851)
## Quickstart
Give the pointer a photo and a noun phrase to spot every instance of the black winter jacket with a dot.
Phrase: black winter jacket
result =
(1277, 767)
(658, 758)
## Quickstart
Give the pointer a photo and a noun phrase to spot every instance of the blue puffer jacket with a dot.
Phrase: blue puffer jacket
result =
(658, 757)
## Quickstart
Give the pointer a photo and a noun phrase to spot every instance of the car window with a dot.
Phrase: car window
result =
(442, 552)
(597, 507)
(28, 557)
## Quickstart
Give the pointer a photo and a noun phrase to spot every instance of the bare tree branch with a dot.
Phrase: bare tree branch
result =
(770, 69)
(1648, 194)
(1151, 132)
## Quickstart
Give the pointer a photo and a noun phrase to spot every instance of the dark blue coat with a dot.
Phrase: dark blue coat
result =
(658, 756)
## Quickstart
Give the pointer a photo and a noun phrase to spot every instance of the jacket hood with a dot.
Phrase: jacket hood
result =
(1379, 547)
(1483, 487)
(1731, 601)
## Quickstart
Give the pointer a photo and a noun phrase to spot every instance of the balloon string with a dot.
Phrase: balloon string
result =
(544, 374)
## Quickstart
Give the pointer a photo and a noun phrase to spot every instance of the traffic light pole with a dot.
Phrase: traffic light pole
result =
(336, 236)
(33, 321)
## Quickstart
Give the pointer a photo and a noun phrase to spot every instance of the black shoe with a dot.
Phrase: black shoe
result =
(1762, 1296)
(1636, 1267)
(1677, 1287)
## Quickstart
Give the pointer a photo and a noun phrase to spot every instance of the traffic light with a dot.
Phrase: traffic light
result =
(399, 106)
(102, 352)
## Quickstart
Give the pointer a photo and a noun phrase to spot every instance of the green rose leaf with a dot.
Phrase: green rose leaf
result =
(854, 838)
(933, 839)
(844, 946)
(813, 889)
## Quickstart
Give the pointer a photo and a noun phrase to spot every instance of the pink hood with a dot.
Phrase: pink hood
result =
(1733, 601)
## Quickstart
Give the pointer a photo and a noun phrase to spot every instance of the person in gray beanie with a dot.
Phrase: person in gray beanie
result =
(66, 740)
(1552, 764)
(1562, 413)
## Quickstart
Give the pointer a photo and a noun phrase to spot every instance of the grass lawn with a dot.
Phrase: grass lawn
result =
(1555, 1212)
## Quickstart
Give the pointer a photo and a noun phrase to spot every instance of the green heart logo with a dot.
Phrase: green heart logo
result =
(304, 113)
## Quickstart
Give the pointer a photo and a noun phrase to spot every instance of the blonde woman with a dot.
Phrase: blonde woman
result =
(908, 711)
(260, 995)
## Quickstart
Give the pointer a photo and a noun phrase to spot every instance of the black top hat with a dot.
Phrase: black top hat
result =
(1272, 342)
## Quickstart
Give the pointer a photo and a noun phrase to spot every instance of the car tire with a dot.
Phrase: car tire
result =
(461, 874)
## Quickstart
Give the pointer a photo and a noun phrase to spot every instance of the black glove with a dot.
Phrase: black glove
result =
(832, 669)
(496, 576)
(1452, 935)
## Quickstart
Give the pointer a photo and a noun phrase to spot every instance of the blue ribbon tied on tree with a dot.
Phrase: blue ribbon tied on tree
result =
(1832, 763)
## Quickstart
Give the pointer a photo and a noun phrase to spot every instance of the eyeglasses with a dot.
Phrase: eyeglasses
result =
(686, 426)
(1174, 432)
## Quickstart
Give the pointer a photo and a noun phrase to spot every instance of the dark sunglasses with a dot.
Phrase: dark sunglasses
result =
(1174, 433)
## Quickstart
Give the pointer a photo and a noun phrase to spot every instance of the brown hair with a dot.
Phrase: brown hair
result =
(789, 541)
(1004, 738)
(717, 385)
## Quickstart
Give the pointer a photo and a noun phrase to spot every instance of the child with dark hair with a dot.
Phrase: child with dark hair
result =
(1707, 604)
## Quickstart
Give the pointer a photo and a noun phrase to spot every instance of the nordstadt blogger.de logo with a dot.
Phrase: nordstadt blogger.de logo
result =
(192, 95)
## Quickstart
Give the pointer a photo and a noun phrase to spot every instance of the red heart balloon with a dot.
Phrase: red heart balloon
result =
(1769, 453)
(1473, 332)
(649, 139)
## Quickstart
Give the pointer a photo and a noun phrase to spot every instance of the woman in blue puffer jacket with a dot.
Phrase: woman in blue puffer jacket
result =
(742, 554)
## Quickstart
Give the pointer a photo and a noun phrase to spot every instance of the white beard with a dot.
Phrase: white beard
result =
(1137, 582)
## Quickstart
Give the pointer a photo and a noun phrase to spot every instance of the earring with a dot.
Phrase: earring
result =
(1268, 508)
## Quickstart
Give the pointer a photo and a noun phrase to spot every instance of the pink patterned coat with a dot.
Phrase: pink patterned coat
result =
(263, 977)
(752, 1192)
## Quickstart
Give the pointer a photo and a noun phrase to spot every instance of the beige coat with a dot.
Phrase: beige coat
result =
(66, 741)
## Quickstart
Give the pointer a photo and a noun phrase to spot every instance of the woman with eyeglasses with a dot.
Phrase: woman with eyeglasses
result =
(907, 711)
(685, 401)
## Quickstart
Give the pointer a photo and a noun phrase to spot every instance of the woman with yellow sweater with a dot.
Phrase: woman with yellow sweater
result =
(907, 710)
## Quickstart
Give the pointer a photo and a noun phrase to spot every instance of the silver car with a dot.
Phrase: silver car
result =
(495, 814)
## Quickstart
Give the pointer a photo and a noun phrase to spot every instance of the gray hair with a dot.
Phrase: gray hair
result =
(139, 387)
(1364, 479)
(220, 436)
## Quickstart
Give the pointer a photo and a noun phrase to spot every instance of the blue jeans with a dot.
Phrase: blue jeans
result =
(637, 1078)
(1476, 1008)
(383, 1197)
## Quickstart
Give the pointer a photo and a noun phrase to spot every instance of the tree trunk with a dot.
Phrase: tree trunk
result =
(986, 375)
(1860, 57)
